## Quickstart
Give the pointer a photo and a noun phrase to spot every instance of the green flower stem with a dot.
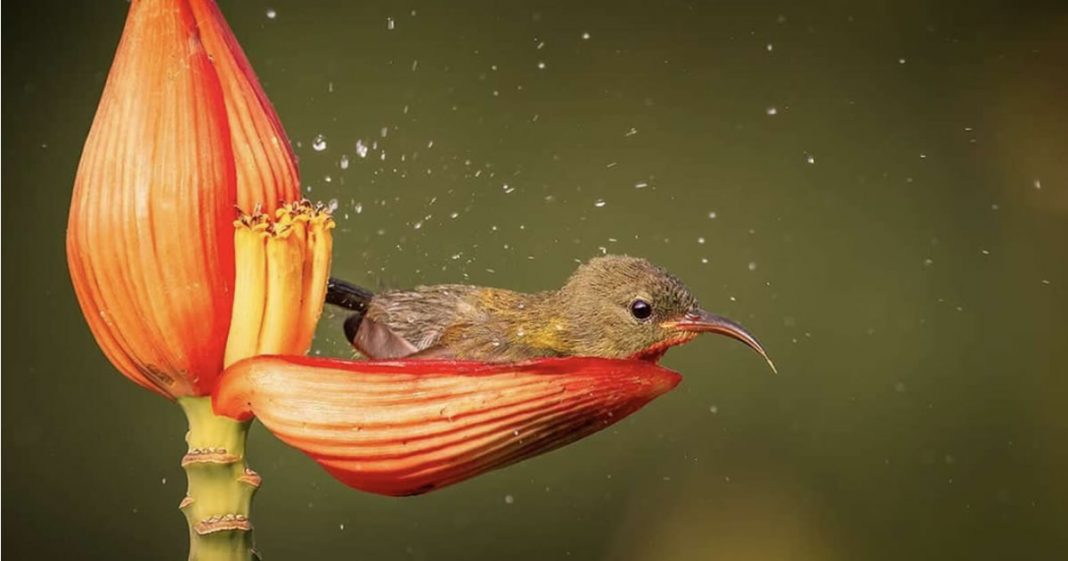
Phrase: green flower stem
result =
(220, 485)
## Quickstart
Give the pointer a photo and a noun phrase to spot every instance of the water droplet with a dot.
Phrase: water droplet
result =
(319, 144)
(641, 185)
(585, 35)
(508, 499)
(599, 203)
(701, 240)
(713, 409)
(271, 13)
(343, 163)
(770, 47)
(341, 526)
(541, 65)
(712, 215)
(1037, 184)
(772, 110)
(361, 149)
(752, 266)
(390, 24)
(633, 131)
(901, 60)
(810, 159)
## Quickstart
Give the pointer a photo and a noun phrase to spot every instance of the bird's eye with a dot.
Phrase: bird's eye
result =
(641, 309)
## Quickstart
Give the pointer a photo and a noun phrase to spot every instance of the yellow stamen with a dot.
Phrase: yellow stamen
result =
(250, 264)
(316, 274)
(282, 264)
(285, 265)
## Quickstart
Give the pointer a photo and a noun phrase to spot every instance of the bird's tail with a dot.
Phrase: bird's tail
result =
(347, 295)
(351, 297)
(372, 339)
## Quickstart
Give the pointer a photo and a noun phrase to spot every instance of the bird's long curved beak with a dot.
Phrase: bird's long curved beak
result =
(700, 321)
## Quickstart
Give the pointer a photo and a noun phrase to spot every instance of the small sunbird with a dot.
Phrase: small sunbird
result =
(611, 307)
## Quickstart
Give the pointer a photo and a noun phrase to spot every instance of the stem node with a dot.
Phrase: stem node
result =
(221, 485)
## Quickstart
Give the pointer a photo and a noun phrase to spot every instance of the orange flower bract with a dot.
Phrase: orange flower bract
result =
(408, 427)
(149, 240)
(183, 134)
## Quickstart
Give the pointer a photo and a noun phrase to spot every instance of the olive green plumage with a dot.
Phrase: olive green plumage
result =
(612, 307)
(589, 316)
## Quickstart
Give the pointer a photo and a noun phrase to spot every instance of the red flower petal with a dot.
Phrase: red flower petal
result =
(408, 427)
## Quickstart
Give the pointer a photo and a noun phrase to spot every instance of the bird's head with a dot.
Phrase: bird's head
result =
(626, 307)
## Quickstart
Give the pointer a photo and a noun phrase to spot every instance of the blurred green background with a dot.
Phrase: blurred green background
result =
(878, 191)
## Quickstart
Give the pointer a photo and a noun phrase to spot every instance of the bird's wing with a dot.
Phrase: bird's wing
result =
(375, 340)
(417, 317)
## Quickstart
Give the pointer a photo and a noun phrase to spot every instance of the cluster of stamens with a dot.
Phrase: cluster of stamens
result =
(282, 263)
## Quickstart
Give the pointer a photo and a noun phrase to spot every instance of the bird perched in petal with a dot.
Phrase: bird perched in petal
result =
(611, 307)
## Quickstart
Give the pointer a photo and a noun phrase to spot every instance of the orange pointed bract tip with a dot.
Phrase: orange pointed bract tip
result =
(266, 167)
(408, 427)
(149, 238)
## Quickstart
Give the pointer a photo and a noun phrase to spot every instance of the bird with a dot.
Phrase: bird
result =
(612, 306)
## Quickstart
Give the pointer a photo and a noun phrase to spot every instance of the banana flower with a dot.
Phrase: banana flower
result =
(196, 301)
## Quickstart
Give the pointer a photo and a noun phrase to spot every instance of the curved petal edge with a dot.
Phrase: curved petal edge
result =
(267, 175)
(409, 427)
